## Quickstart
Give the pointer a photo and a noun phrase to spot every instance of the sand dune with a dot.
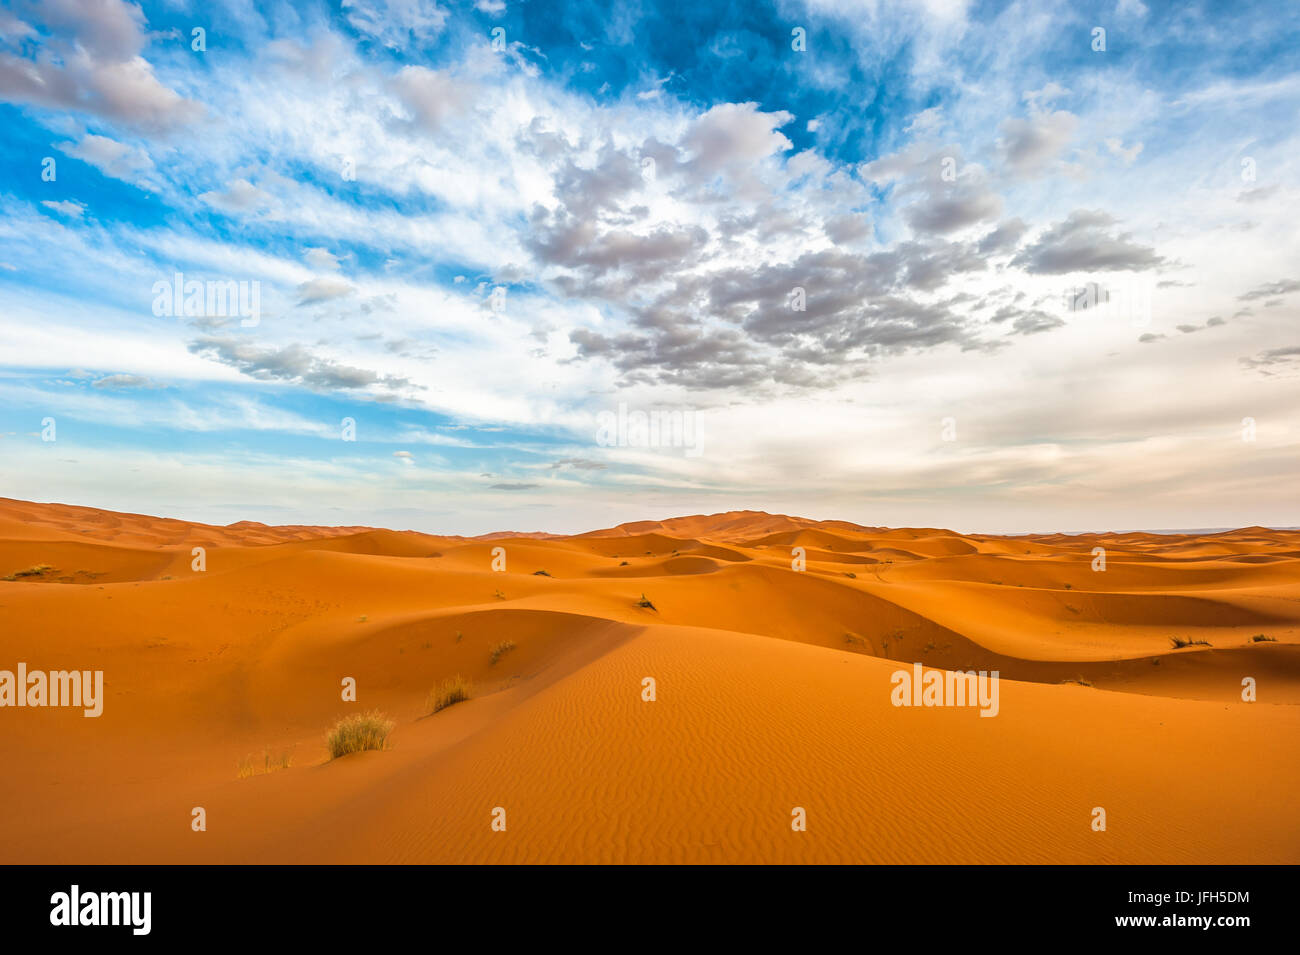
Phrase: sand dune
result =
(773, 691)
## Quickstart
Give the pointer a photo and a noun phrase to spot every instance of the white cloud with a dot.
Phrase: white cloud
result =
(1125, 155)
(323, 290)
(322, 260)
(110, 156)
(240, 197)
(73, 210)
(732, 134)
(396, 23)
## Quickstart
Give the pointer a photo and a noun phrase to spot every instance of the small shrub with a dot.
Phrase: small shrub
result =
(499, 595)
(282, 761)
(36, 571)
(1263, 638)
(622, 563)
(540, 573)
(1069, 586)
(358, 732)
(502, 648)
(849, 573)
(1180, 642)
(643, 602)
(270, 763)
(454, 689)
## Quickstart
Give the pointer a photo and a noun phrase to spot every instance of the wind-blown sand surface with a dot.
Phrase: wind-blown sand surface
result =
(773, 692)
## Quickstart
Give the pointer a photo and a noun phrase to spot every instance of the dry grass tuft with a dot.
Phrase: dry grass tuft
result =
(248, 766)
(352, 734)
(39, 570)
(454, 689)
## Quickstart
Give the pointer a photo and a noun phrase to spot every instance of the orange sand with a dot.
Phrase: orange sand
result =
(773, 692)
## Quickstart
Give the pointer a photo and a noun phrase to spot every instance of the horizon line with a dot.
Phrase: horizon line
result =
(1169, 532)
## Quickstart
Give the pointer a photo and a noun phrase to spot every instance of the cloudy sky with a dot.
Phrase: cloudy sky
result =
(995, 266)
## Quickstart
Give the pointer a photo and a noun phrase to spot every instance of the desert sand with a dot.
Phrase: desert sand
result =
(772, 686)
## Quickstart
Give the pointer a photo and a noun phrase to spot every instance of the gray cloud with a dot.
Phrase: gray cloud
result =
(581, 245)
(1259, 194)
(857, 309)
(587, 191)
(693, 324)
(1029, 145)
(963, 203)
(846, 229)
(430, 96)
(1026, 321)
(120, 382)
(945, 203)
(1188, 329)
(1004, 238)
(293, 363)
(1083, 243)
(581, 464)
(1271, 290)
(91, 62)
(1275, 359)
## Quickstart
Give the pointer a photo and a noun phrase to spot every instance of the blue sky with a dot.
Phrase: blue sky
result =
(834, 244)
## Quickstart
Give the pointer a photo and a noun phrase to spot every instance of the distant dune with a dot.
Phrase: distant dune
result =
(1121, 689)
